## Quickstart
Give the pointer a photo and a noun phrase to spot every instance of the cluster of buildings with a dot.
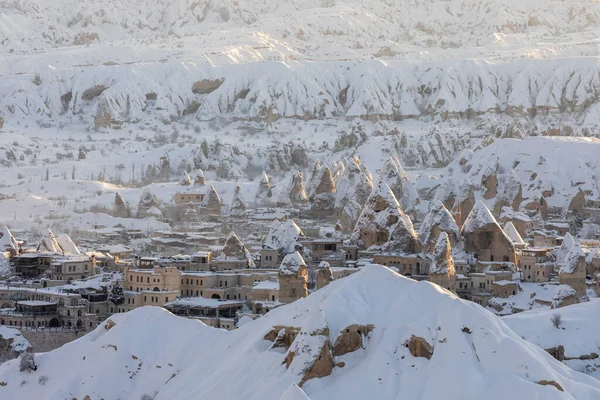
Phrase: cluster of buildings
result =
(492, 255)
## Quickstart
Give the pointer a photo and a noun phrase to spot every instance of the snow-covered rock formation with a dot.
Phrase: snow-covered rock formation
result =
(322, 193)
(237, 208)
(513, 234)
(438, 220)
(7, 240)
(383, 224)
(294, 194)
(352, 191)
(49, 244)
(66, 244)
(283, 236)
(264, 192)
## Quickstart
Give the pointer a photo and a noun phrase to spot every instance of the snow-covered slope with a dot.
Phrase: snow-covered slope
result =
(373, 90)
(577, 333)
(253, 29)
(545, 167)
(412, 355)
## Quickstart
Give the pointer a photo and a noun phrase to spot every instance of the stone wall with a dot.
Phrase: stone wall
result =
(43, 341)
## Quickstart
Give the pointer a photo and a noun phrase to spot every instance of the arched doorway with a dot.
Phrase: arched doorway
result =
(156, 289)
(54, 323)
(79, 323)
(215, 296)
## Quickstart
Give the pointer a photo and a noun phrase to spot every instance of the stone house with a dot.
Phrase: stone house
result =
(199, 261)
(189, 197)
(321, 248)
(504, 289)
(72, 267)
(407, 264)
(24, 307)
(270, 258)
(31, 265)
(536, 265)
(119, 251)
(266, 291)
(546, 239)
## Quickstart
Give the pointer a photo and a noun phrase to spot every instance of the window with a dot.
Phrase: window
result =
(166, 299)
(145, 299)
(201, 283)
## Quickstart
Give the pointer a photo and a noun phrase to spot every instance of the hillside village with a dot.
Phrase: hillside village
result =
(227, 264)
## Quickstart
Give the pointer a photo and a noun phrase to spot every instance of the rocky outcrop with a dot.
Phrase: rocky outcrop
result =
(310, 353)
(121, 209)
(93, 92)
(419, 347)
(294, 195)
(238, 205)
(322, 365)
(551, 383)
(264, 192)
(322, 199)
(85, 38)
(212, 204)
(383, 224)
(351, 339)
(324, 274)
(234, 249)
(206, 86)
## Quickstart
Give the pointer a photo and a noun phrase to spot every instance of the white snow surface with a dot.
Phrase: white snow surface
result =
(66, 244)
(577, 333)
(19, 343)
(210, 363)
(513, 234)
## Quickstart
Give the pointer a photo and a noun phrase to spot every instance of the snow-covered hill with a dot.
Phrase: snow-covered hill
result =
(577, 333)
(338, 343)
(543, 167)
(231, 30)
(561, 95)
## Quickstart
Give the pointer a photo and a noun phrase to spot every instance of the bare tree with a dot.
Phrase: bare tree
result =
(556, 320)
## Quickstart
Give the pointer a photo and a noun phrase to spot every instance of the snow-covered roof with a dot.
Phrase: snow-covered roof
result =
(266, 285)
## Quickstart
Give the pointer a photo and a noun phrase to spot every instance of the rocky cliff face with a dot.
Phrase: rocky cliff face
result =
(525, 90)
